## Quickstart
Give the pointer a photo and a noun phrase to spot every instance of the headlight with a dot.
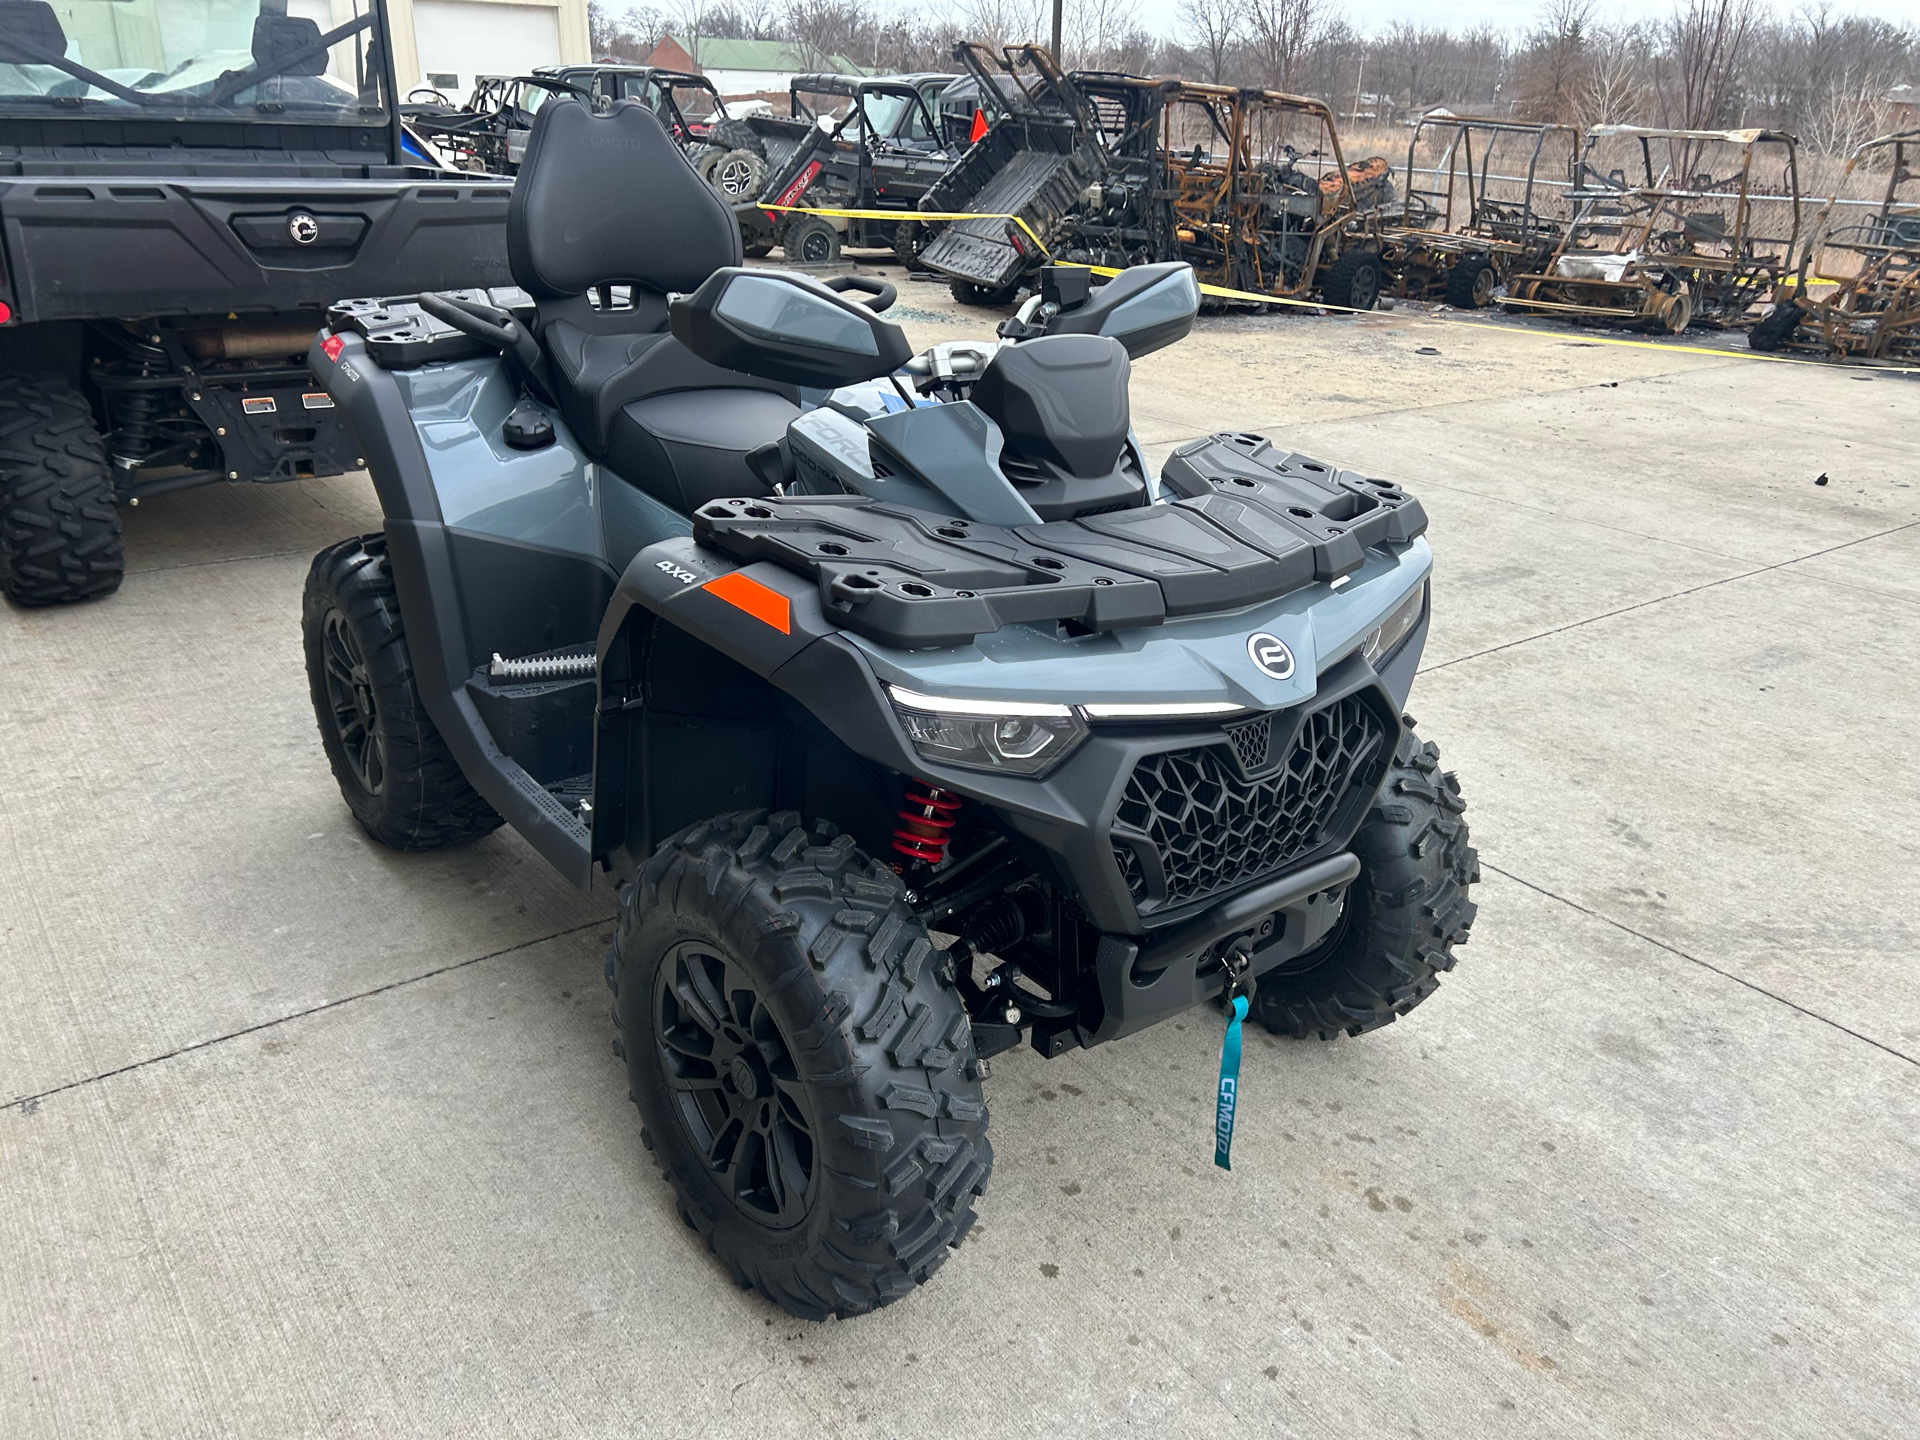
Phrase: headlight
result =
(1015, 737)
(1396, 627)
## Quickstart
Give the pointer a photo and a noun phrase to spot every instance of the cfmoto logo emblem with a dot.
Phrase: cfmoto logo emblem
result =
(1270, 655)
(302, 228)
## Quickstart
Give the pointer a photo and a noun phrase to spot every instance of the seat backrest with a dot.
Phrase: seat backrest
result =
(610, 200)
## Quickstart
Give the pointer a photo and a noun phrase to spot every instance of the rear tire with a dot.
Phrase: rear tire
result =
(1774, 330)
(1354, 281)
(779, 1008)
(59, 527)
(1404, 913)
(968, 293)
(909, 239)
(394, 768)
(811, 241)
(1471, 283)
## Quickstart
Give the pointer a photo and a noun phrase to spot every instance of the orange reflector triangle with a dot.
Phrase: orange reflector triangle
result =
(744, 593)
(979, 126)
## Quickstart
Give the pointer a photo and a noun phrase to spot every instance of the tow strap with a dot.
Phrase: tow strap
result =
(1229, 1087)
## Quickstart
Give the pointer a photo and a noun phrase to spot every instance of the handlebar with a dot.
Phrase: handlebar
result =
(884, 294)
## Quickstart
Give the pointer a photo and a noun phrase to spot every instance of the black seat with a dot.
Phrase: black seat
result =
(607, 218)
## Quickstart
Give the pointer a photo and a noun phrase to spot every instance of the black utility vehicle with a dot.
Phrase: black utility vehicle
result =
(909, 712)
(185, 185)
(852, 143)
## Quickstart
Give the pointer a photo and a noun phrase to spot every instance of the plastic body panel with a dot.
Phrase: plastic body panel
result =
(1254, 524)
(82, 246)
(1065, 817)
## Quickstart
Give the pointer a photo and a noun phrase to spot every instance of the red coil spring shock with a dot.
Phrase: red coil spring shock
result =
(927, 823)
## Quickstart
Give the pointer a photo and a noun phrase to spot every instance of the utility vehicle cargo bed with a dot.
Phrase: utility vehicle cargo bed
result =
(1035, 172)
(1252, 524)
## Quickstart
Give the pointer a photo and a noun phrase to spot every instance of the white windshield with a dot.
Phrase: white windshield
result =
(311, 61)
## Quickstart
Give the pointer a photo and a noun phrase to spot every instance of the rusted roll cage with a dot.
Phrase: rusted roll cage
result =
(1872, 310)
(1463, 239)
(1668, 244)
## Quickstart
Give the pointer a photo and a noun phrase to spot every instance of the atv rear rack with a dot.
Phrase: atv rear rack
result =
(1252, 524)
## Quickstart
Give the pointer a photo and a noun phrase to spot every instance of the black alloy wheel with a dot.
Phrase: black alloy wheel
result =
(733, 1084)
(351, 703)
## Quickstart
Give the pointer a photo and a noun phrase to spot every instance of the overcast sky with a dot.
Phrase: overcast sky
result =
(1163, 16)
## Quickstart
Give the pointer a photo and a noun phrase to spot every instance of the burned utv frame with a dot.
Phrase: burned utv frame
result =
(1248, 186)
(1873, 310)
(1491, 205)
(1662, 240)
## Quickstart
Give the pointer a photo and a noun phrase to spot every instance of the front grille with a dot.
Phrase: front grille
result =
(1214, 830)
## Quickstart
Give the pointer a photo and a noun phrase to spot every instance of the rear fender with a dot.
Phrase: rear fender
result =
(420, 552)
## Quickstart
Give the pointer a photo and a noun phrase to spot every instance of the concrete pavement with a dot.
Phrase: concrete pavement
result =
(307, 1138)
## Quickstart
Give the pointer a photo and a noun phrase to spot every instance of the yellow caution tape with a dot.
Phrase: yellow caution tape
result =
(1221, 292)
(912, 215)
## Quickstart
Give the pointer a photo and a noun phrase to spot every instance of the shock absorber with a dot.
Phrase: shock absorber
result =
(926, 823)
(135, 411)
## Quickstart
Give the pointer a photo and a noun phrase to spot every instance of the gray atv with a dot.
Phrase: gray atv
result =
(910, 714)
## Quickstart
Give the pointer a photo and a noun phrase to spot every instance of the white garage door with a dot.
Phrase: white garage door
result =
(459, 39)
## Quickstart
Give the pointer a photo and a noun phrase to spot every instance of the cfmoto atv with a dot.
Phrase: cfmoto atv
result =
(910, 713)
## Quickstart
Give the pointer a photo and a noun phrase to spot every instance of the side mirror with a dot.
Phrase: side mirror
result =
(786, 327)
(1146, 308)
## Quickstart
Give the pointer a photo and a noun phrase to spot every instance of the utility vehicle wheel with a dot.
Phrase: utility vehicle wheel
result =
(1404, 914)
(395, 771)
(968, 293)
(1354, 281)
(738, 174)
(1774, 329)
(1471, 283)
(704, 162)
(802, 1063)
(811, 241)
(1671, 313)
(59, 529)
(909, 239)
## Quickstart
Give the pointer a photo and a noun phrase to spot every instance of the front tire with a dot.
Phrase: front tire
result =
(59, 527)
(394, 768)
(1405, 912)
(811, 241)
(802, 1063)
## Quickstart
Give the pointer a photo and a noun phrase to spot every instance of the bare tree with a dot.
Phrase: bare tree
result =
(1554, 70)
(628, 37)
(1279, 31)
(1214, 26)
(1008, 22)
(1698, 78)
(1616, 76)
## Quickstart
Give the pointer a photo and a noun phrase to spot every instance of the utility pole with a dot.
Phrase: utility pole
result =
(1056, 31)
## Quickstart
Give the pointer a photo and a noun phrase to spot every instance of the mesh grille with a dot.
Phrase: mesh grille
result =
(1214, 831)
(1250, 742)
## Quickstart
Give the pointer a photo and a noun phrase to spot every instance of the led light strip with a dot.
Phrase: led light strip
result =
(990, 709)
(1156, 711)
(1104, 710)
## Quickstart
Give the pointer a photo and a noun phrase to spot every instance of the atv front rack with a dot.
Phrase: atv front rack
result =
(1252, 524)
